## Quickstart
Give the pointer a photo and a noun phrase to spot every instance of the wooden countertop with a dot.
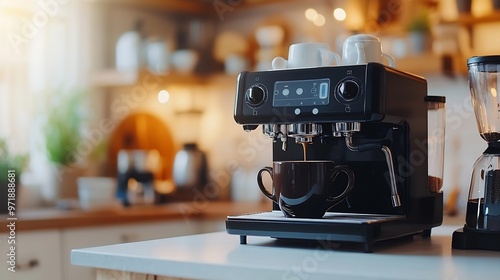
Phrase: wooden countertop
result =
(49, 218)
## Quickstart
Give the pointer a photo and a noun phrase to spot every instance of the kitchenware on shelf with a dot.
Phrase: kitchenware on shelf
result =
(228, 44)
(482, 220)
(306, 55)
(235, 64)
(270, 36)
(158, 55)
(190, 168)
(129, 53)
(184, 61)
(364, 48)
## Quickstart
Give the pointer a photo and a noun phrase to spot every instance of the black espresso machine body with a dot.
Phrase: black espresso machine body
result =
(370, 117)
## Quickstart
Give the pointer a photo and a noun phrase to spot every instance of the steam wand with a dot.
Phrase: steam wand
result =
(347, 130)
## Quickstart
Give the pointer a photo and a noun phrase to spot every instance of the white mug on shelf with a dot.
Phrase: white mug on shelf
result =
(307, 55)
(364, 48)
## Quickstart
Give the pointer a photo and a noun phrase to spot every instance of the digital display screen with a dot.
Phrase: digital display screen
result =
(301, 93)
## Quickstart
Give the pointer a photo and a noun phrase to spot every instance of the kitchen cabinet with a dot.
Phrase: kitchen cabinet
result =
(45, 237)
(97, 236)
(45, 254)
(38, 255)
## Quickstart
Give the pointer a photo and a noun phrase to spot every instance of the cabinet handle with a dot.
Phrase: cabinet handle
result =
(126, 238)
(28, 265)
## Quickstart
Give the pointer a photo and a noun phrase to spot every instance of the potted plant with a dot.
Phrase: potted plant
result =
(8, 163)
(63, 129)
(63, 135)
(419, 33)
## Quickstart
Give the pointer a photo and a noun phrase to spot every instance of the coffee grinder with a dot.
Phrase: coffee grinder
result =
(482, 221)
(135, 176)
(370, 117)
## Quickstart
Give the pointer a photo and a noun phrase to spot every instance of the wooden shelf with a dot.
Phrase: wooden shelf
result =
(111, 78)
(200, 8)
(423, 64)
(469, 19)
(191, 7)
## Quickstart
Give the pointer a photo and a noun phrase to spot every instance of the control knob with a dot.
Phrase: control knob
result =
(348, 89)
(256, 95)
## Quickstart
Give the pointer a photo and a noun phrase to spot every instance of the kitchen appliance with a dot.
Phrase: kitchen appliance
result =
(136, 174)
(190, 168)
(482, 220)
(369, 117)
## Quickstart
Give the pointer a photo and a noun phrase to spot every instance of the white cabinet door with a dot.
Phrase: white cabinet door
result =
(37, 255)
(98, 236)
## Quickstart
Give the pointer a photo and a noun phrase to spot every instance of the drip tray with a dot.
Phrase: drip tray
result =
(342, 227)
(330, 217)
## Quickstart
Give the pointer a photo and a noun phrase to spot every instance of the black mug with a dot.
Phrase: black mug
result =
(304, 189)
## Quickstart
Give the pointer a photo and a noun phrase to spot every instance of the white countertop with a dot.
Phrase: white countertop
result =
(220, 256)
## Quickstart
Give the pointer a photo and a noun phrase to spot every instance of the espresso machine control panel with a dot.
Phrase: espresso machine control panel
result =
(302, 95)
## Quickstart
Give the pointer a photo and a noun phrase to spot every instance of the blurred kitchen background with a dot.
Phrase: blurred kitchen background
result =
(81, 80)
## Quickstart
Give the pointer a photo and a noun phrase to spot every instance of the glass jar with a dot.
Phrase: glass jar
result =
(436, 119)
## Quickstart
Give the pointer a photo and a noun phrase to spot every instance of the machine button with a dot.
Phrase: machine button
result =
(348, 89)
(299, 91)
(255, 95)
(323, 90)
(286, 92)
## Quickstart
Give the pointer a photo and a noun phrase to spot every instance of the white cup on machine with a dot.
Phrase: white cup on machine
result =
(306, 55)
(364, 48)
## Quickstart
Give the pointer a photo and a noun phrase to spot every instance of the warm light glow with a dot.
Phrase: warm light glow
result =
(319, 20)
(132, 184)
(163, 96)
(480, 8)
(494, 92)
(339, 14)
(311, 14)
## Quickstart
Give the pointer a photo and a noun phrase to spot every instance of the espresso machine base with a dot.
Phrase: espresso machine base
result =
(365, 229)
(467, 239)
(334, 227)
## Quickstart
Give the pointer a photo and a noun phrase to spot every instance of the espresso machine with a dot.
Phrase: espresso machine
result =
(135, 176)
(369, 117)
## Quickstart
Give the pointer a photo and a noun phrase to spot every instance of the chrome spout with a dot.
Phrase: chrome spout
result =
(396, 202)
(276, 131)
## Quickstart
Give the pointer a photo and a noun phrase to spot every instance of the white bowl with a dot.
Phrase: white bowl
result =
(96, 192)
(184, 61)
